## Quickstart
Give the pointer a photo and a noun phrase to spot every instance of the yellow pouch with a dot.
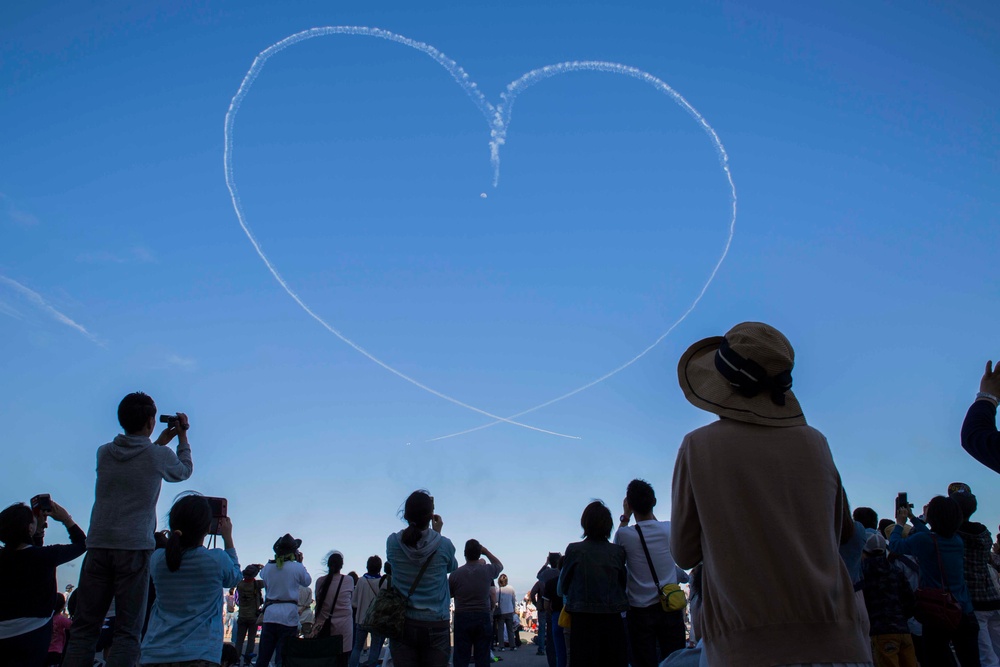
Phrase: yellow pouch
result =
(672, 598)
(564, 618)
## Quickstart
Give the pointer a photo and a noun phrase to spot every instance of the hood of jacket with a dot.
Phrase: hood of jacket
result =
(426, 545)
(125, 447)
(976, 532)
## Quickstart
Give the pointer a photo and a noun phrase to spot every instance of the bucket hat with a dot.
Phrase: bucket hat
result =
(745, 375)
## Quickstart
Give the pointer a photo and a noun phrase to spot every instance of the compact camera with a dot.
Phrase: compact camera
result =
(220, 509)
(41, 503)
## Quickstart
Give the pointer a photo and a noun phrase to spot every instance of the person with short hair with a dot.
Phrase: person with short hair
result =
(185, 624)
(593, 579)
(937, 548)
(28, 582)
(983, 590)
(470, 586)
(130, 471)
(653, 632)
(979, 430)
(889, 602)
(365, 592)
(426, 640)
(758, 499)
(868, 518)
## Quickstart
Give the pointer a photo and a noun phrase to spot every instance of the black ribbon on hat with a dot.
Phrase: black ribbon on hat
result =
(748, 377)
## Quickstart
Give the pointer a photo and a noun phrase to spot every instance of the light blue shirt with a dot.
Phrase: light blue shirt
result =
(186, 621)
(432, 599)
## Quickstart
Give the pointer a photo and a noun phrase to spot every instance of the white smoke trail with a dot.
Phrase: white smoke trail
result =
(45, 306)
(460, 76)
(498, 119)
(499, 127)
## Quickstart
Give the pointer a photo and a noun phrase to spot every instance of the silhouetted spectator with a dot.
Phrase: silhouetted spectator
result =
(758, 499)
(979, 431)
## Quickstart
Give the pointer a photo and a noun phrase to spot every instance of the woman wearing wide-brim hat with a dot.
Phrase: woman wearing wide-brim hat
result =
(282, 578)
(757, 499)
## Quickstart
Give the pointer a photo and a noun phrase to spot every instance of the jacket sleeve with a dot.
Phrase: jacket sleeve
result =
(58, 554)
(685, 526)
(979, 434)
(176, 467)
(898, 544)
(566, 573)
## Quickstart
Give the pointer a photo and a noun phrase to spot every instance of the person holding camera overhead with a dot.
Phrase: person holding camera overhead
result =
(130, 470)
(185, 624)
(28, 582)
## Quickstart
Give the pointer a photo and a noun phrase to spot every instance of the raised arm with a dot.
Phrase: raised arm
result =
(979, 430)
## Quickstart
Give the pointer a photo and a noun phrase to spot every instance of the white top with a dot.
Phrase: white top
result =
(640, 587)
(306, 614)
(283, 584)
(507, 597)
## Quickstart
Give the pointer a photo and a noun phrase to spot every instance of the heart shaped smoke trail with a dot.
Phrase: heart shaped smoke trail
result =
(498, 117)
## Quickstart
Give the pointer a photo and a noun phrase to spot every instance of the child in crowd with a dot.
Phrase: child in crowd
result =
(60, 624)
(889, 600)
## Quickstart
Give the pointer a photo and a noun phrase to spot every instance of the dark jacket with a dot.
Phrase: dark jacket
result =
(28, 576)
(593, 577)
(979, 434)
(978, 544)
(888, 596)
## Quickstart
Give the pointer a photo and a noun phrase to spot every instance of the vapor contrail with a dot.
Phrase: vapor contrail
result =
(498, 118)
(45, 306)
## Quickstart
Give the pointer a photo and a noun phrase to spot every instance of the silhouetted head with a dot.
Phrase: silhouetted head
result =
(135, 411)
(473, 550)
(418, 512)
(867, 517)
(190, 520)
(374, 565)
(944, 515)
(596, 521)
(640, 496)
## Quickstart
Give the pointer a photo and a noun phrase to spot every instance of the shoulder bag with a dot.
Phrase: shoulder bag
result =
(387, 613)
(937, 607)
(672, 598)
(322, 649)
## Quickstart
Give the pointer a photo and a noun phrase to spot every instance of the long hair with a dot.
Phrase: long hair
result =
(190, 519)
(418, 512)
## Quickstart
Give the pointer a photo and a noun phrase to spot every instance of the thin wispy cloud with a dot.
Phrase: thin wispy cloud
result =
(16, 215)
(37, 300)
(183, 363)
(136, 254)
(10, 311)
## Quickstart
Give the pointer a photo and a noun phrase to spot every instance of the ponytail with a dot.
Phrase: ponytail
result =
(190, 519)
(418, 512)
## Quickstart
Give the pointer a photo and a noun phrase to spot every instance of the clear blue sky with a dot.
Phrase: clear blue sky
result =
(863, 142)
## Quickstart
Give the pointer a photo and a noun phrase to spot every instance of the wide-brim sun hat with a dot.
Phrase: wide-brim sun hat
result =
(286, 544)
(745, 375)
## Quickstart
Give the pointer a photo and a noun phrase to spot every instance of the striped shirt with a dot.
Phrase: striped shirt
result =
(186, 621)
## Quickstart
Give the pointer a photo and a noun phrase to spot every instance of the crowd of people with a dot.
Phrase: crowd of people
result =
(781, 572)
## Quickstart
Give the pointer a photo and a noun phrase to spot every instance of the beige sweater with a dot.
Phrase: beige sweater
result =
(762, 508)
